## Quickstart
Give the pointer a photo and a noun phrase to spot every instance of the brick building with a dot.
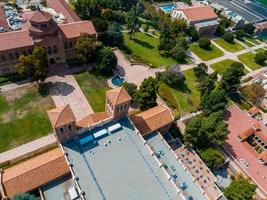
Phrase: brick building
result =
(202, 17)
(40, 29)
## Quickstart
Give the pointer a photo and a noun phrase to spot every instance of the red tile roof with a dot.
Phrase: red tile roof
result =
(60, 6)
(92, 119)
(254, 110)
(41, 16)
(35, 172)
(74, 30)
(118, 96)
(239, 121)
(152, 119)
(261, 26)
(263, 156)
(15, 39)
(61, 116)
(3, 20)
(198, 12)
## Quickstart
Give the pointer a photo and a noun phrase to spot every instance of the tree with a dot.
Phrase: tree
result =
(192, 32)
(249, 29)
(231, 78)
(240, 189)
(24, 196)
(86, 48)
(201, 71)
(178, 52)
(87, 9)
(229, 37)
(202, 130)
(220, 31)
(132, 22)
(172, 76)
(239, 34)
(260, 58)
(204, 43)
(106, 60)
(166, 43)
(207, 85)
(213, 158)
(213, 101)
(225, 23)
(131, 88)
(146, 96)
(114, 35)
(35, 65)
(254, 92)
(177, 27)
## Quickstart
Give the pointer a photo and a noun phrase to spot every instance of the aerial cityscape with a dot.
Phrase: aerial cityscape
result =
(133, 100)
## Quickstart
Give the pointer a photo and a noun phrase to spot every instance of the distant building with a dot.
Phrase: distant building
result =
(43, 30)
(202, 17)
(247, 144)
(261, 28)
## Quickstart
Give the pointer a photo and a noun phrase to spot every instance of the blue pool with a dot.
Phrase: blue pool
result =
(168, 8)
(117, 80)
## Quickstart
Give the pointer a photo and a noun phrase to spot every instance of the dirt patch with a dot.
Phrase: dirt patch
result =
(12, 95)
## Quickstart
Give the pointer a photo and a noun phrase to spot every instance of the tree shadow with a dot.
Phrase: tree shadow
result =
(143, 43)
(183, 88)
(60, 88)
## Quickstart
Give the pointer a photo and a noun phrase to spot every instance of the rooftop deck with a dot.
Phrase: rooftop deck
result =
(119, 166)
(175, 168)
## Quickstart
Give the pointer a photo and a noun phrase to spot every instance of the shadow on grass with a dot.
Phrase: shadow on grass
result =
(142, 43)
(182, 88)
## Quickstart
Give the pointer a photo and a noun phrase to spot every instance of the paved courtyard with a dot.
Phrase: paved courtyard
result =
(65, 90)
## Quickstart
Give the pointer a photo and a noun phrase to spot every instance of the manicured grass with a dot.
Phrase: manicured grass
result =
(248, 60)
(23, 118)
(203, 54)
(143, 48)
(222, 65)
(247, 43)
(262, 50)
(231, 47)
(252, 40)
(187, 95)
(94, 88)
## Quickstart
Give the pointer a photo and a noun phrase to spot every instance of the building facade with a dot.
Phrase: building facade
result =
(42, 30)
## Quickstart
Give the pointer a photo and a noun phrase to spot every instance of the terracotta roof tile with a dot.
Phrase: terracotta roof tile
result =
(35, 172)
(14, 40)
(263, 156)
(198, 12)
(152, 119)
(262, 25)
(254, 110)
(41, 16)
(74, 30)
(245, 134)
(60, 6)
(118, 96)
(60, 116)
(91, 119)
(3, 20)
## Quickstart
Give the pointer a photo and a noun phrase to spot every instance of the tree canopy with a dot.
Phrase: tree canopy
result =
(86, 48)
(131, 88)
(240, 189)
(231, 78)
(229, 37)
(35, 65)
(203, 130)
(201, 71)
(204, 43)
(106, 60)
(132, 22)
(254, 92)
(24, 196)
(146, 96)
(213, 158)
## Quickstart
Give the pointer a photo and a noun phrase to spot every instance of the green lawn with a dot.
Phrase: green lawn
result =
(262, 50)
(248, 60)
(247, 43)
(143, 48)
(23, 117)
(222, 65)
(231, 47)
(252, 40)
(94, 88)
(211, 53)
(187, 96)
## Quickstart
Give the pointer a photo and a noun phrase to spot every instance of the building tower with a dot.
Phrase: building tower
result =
(117, 103)
(63, 122)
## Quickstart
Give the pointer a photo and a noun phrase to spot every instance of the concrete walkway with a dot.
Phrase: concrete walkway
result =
(27, 148)
(65, 90)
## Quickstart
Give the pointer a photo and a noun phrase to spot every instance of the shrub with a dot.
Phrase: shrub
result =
(239, 34)
(204, 43)
(260, 58)
(229, 37)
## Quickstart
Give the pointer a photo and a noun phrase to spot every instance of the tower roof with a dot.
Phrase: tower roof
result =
(118, 96)
(61, 116)
(41, 16)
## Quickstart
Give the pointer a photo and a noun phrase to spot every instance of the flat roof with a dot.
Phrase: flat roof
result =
(122, 169)
(238, 121)
(58, 189)
(168, 158)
